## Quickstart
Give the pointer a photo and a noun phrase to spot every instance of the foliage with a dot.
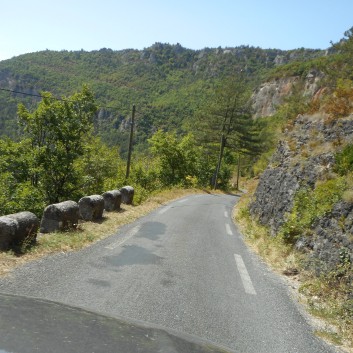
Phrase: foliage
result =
(340, 103)
(309, 205)
(342, 67)
(144, 177)
(16, 192)
(224, 126)
(168, 83)
(270, 130)
(99, 168)
(180, 161)
(344, 160)
(56, 130)
(227, 113)
(17, 197)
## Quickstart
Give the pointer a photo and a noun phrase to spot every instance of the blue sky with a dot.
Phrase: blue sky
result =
(34, 25)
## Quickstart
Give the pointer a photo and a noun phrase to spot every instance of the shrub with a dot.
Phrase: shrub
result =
(309, 205)
(344, 160)
(340, 104)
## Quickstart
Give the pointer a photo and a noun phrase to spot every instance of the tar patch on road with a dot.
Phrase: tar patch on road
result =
(133, 255)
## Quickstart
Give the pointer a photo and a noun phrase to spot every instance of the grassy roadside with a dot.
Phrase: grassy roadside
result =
(89, 232)
(323, 298)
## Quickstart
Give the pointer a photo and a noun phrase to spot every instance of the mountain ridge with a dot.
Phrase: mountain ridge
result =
(166, 82)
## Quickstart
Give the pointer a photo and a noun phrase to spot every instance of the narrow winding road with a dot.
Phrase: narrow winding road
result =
(184, 267)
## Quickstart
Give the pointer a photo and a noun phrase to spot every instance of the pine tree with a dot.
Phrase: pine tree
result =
(226, 122)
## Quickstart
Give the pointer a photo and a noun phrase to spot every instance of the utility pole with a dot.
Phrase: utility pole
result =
(238, 172)
(130, 142)
(220, 157)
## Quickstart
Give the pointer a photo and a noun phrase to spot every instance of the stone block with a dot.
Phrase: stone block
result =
(60, 216)
(112, 200)
(91, 207)
(127, 194)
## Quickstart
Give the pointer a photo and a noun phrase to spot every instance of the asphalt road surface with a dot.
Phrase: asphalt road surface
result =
(183, 267)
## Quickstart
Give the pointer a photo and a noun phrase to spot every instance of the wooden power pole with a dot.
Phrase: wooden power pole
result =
(220, 157)
(130, 142)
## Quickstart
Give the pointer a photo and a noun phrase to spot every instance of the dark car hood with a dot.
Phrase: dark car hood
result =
(29, 325)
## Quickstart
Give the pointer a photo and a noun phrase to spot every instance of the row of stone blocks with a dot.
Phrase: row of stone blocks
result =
(23, 226)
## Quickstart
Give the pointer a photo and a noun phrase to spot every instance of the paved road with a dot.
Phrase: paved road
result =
(31, 325)
(183, 267)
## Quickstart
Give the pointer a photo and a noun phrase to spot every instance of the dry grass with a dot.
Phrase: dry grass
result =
(89, 232)
(316, 294)
(272, 249)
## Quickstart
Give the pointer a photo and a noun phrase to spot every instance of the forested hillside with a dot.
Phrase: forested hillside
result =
(168, 83)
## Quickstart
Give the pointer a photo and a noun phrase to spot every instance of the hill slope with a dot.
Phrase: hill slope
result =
(166, 82)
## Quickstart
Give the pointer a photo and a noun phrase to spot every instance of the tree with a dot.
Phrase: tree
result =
(166, 147)
(16, 192)
(99, 168)
(180, 160)
(226, 121)
(57, 129)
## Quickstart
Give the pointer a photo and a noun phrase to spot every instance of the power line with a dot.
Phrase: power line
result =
(24, 93)
(53, 97)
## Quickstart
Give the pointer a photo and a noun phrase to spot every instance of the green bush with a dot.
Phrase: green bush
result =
(17, 197)
(344, 161)
(309, 205)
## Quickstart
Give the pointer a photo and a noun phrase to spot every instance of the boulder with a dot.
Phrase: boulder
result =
(8, 227)
(112, 200)
(17, 228)
(60, 216)
(127, 194)
(91, 207)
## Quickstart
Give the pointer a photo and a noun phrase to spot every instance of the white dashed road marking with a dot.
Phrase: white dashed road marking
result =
(245, 278)
(165, 209)
(124, 238)
(183, 200)
(228, 229)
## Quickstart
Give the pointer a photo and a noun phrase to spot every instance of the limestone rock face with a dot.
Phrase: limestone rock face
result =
(270, 95)
(305, 156)
(332, 241)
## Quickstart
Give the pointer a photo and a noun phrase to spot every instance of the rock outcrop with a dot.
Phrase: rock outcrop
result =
(270, 95)
(303, 157)
(332, 241)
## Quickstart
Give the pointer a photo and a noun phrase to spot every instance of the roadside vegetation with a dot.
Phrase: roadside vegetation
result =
(61, 158)
(327, 295)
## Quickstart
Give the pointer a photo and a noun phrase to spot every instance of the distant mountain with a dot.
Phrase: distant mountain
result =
(166, 82)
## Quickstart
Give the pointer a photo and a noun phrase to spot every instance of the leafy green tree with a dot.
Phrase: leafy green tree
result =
(99, 168)
(56, 130)
(165, 147)
(180, 160)
(16, 192)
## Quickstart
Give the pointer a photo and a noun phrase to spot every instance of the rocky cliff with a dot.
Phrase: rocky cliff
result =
(270, 95)
(304, 158)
